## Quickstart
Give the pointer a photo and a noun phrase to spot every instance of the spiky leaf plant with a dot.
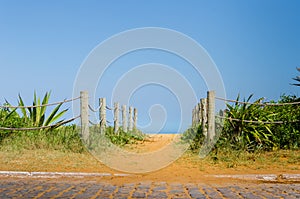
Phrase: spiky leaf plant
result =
(36, 115)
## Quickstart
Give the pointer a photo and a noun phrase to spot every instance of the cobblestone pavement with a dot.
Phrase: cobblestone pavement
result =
(36, 188)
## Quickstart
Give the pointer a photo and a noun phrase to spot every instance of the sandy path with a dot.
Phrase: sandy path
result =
(152, 143)
(188, 168)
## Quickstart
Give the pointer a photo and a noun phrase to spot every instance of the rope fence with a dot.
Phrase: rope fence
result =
(92, 123)
(42, 105)
(36, 106)
(128, 117)
(204, 113)
(256, 121)
(108, 108)
(260, 104)
(85, 107)
(94, 110)
(41, 127)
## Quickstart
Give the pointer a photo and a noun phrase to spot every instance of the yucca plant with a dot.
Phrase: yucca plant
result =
(36, 116)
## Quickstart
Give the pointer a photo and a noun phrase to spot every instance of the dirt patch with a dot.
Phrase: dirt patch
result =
(187, 169)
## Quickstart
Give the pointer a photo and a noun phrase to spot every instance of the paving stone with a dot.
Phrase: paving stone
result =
(159, 195)
(48, 189)
(139, 195)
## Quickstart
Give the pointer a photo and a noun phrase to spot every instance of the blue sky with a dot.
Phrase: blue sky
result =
(254, 44)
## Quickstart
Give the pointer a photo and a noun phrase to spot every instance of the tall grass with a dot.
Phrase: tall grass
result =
(65, 138)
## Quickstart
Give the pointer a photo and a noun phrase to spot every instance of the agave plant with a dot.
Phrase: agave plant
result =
(36, 115)
(250, 134)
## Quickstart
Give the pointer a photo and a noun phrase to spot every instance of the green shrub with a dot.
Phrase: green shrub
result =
(239, 133)
(122, 138)
(194, 137)
(286, 135)
(9, 118)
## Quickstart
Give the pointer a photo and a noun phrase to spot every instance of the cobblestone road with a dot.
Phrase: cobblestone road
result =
(31, 188)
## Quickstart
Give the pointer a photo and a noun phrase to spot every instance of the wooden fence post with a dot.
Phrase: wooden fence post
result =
(135, 119)
(116, 117)
(196, 114)
(124, 118)
(211, 115)
(84, 113)
(130, 121)
(102, 104)
(199, 113)
(193, 117)
(204, 116)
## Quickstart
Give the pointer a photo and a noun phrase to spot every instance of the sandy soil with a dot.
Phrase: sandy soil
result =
(188, 168)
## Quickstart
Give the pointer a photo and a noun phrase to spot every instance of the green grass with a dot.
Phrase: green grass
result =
(65, 138)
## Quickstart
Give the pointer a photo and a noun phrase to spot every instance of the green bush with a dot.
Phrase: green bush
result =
(122, 138)
(11, 119)
(286, 135)
(238, 134)
(194, 137)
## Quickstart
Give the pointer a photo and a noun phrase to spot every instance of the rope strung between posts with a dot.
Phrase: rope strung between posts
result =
(256, 122)
(35, 106)
(106, 121)
(94, 110)
(41, 127)
(108, 108)
(92, 123)
(260, 104)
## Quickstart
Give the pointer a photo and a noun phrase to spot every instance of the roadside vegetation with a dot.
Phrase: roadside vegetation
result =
(253, 127)
(275, 132)
(59, 136)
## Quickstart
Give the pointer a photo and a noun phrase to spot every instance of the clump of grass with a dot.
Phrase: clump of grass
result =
(194, 137)
(120, 138)
(65, 138)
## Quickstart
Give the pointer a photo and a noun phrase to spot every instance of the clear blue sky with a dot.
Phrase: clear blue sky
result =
(255, 44)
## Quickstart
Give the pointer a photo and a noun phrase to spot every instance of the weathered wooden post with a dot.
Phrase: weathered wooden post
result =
(124, 118)
(135, 119)
(204, 116)
(196, 114)
(102, 104)
(130, 121)
(193, 117)
(211, 115)
(199, 113)
(84, 113)
(116, 117)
